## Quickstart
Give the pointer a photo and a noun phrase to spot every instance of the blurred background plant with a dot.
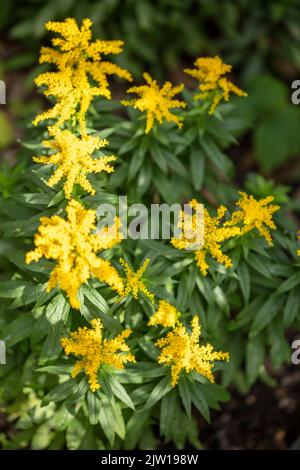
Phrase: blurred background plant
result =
(261, 39)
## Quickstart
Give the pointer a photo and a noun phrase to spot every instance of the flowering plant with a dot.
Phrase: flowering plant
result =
(107, 336)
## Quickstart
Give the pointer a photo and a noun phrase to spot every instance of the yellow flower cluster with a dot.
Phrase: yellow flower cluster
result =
(166, 315)
(210, 71)
(182, 351)
(215, 233)
(133, 283)
(72, 243)
(81, 71)
(73, 158)
(255, 214)
(191, 225)
(156, 101)
(89, 344)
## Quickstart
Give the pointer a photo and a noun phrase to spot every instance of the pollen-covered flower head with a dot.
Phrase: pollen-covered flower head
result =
(210, 72)
(166, 315)
(190, 227)
(156, 101)
(73, 159)
(82, 72)
(89, 344)
(73, 244)
(182, 352)
(215, 233)
(133, 281)
(254, 214)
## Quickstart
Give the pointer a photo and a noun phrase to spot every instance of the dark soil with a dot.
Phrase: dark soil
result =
(265, 419)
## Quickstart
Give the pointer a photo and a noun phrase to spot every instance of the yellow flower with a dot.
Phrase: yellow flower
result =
(182, 351)
(81, 71)
(133, 283)
(210, 71)
(166, 315)
(73, 158)
(298, 251)
(74, 244)
(255, 214)
(156, 101)
(191, 225)
(215, 233)
(89, 344)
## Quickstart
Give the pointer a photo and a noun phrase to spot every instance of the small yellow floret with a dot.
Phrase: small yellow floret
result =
(133, 283)
(156, 101)
(73, 159)
(166, 315)
(255, 214)
(182, 351)
(215, 233)
(210, 71)
(89, 344)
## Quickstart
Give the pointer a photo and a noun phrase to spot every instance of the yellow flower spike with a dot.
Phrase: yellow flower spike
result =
(81, 72)
(89, 344)
(181, 351)
(133, 283)
(215, 233)
(255, 214)
(73, 244)
(156, 101)
(73, 159)
(166, 315)
(298, 236)
(210, 71)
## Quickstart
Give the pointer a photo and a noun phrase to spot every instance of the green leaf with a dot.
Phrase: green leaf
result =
(185, 395)
(197, 162)
(221, 299)
(247, 314)
(167, 415)
(259, 266)
(135, 425)
(289, 283)
(18, 329)
(254, 357)
(59, 369)
(94, 405)
(96, 299)
(13, 289)
(120, 392)
(135, 164)
(217, 157)
(159, 158)
(244, 280)
(160, 390)
(52, 348)
(57, 310)
(175, 164)
(61, 391)
(199, 401)
(119, 424)
(292, 308)
(264, 316)
(107, 419)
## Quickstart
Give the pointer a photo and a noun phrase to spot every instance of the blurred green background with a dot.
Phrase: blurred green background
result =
(261, 39)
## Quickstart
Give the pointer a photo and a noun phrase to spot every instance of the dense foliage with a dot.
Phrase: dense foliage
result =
(109, 337)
